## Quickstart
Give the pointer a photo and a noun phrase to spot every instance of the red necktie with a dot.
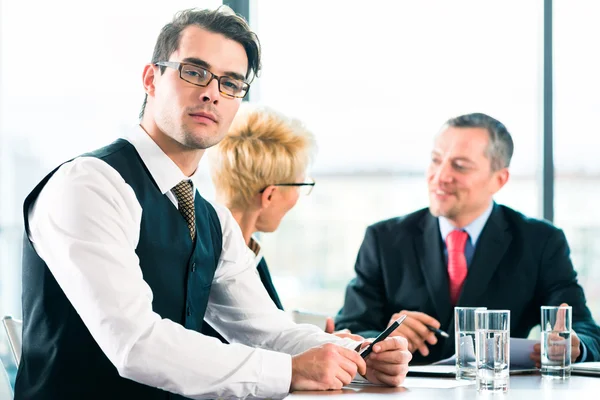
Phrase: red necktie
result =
(457, 263)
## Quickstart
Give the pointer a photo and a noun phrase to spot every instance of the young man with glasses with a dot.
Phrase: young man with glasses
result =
(259, 172)
(123, 259)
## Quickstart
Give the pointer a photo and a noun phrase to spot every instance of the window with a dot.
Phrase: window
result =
(577, 141)
(70, 80)
(375, 90)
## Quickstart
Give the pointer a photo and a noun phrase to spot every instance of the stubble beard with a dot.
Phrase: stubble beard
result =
(437, 211)
(192, 140)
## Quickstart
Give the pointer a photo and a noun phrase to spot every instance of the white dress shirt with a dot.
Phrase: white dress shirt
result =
(85, 225)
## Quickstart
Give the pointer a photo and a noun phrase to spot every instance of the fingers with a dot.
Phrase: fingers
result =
(329, 325)
(355, 358)
(537, 358)
(536, 355)
(389, 357)
(345, 374)
(391, 343)
(423, 318)
(556, 347)
(386, 368)
(561, 318)
(415, 331)
(337, 384)
(575, 347)
(390, 380)
(388, 363)
(325, 367)
(420, 329)
(416, 340)
(394, 317)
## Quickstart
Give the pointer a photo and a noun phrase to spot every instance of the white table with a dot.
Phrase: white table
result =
(523, 387)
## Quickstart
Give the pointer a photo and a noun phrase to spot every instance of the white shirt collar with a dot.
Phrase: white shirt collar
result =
(474, 229)
(164, 171)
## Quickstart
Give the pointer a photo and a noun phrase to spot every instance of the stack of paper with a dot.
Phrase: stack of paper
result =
(520, 361)
(587, 368)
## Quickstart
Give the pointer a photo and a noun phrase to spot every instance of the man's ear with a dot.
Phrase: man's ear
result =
(267, 196)
(148, 79)
(501, 178)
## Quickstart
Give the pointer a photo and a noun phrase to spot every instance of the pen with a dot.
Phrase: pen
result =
(367, 350)
(438, 331)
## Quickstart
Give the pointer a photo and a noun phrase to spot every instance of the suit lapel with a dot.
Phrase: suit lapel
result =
(431, 260)
(489, 250)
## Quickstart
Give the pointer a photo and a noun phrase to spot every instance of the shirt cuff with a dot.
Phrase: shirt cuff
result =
(276, 375)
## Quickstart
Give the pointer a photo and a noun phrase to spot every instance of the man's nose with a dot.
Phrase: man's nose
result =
(443, 172)
(210, 93)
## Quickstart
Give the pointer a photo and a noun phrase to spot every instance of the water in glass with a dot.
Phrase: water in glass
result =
(556, 354)
(493, 360)
(466, 363)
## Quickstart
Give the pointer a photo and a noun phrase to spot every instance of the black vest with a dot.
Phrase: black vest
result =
(265, 277)
(60, 359)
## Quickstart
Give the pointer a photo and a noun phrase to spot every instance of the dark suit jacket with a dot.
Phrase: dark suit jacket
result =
(519, 264)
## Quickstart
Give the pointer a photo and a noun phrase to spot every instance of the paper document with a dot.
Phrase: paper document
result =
(587, 368)
(520, 349)
(413, 382)
(447, 371)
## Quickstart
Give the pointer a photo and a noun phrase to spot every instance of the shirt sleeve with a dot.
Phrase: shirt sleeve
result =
(241, 310)
(85, 226)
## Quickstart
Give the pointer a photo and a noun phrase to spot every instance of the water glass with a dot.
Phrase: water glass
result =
(556, 342)
(492, 349)
(464, 342)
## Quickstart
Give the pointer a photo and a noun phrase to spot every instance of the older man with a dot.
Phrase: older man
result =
(464, 250)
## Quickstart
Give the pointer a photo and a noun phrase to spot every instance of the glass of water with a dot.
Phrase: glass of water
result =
(464, 342)
(492, 349)
(556, 342)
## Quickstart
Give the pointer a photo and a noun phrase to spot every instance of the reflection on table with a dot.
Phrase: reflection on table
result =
(525, 387)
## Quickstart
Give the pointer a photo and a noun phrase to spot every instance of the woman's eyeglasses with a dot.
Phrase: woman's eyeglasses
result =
(304, 188)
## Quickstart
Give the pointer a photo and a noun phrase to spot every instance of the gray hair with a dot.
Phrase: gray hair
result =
(500, 148)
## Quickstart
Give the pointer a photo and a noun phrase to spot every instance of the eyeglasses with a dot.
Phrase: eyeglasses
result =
(305, 188)
(199, 76)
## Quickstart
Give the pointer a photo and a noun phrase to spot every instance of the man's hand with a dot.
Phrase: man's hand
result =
(325, 367)
(344, 333)
(414, 330)
(388, 362)
(557, 351)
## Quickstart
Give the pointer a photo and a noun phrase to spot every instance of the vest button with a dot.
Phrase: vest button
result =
(193, 267)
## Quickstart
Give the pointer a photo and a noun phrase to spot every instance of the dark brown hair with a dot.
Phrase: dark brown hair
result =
(222, 20)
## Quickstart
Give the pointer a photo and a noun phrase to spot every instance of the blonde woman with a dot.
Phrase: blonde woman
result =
(259, 172)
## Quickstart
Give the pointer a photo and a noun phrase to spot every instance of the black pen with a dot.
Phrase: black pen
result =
(438, 331)
(367, 350)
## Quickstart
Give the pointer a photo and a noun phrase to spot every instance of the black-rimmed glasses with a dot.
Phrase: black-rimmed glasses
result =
(304, 188)
(199, 76)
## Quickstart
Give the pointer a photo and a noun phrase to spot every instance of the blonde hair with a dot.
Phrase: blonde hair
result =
(262, 148)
